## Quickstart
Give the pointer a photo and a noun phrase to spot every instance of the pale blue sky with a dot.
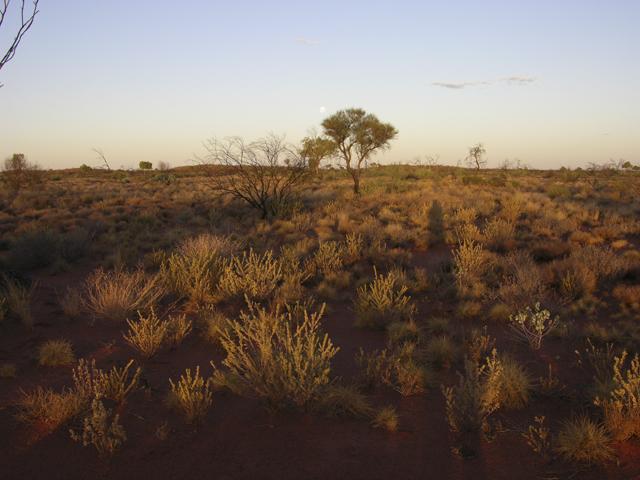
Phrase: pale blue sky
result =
(150, 80)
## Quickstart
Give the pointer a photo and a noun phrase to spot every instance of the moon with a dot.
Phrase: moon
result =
(323, 109)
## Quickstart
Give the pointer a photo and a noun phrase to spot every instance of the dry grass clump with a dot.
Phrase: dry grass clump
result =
(382, 301)
(515, 384)
(193, 270)
(148, 334)
(621, 407)
(16, 299)
(399, 369)
(343, 401)
(440, 351)
(476, 396)
(252, 275)
(275, 357)
(386, 418)
(117, 294)
(71, 303)
(54, 353)
(101, 428)
(49, 407)
(583, 441)
(192, 395)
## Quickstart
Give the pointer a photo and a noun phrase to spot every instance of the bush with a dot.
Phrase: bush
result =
(34, 249)
(533, 325)
(382, 302)
(622, 406)
(276, 358)
(118, 294)
(148, 334)
(476, 396)
(386, 418)
(343, 401)
(101, 428)
(191, 395)
(581, 440)
(48, 407)
(252, 275)
(515, 384)
(469, 264)
(194, 270)
(17, 298)
(115, 384)
(54, 353)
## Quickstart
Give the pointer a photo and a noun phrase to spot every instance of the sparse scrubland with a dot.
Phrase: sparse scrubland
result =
(464, 323)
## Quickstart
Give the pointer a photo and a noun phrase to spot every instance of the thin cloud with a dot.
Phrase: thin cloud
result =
(513, 80)
(307, 41)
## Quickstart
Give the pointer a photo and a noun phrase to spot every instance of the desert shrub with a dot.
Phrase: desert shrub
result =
(353, 248)
(386, 418)
(467, 233)
(115, 384)
(381, 302)
(399, 369)
(538, 436)
(117, 294)
(533, 325)
(621, 407)
(401, 332)
(499, 234)
(54, 353)
(192, 395)
(476, 396)
(327, 259)
(598, 359)
(148, 334)
(575, 280)
(276, 358)
(583, 441)
(469, 264)
(212, 323)
(71, 303)
(252, 275)
(8, 370)
(34, 249)
(343, 401)
(628, 295)
(522, 282)
(194, 269)
(101, 428)
(478, 343)
(17, 298)
(515, 384)
(48, 407)
(179, 326)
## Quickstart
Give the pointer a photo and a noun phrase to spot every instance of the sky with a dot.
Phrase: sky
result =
(549, 82)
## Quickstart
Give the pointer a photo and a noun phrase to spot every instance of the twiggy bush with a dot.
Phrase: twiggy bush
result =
(54, 353)
(538, 436)
(533, 325)
(327, 259)
(101, 428)
(192, 395)
(382, 302)
(179, 327)
(583, 441)
(476, 396)
(193, 271)
(276, 358)
(115, 384)
(148, 334)
(499, 234)
(252, 275)
(353, 248)
(622, 406)
(117, 294)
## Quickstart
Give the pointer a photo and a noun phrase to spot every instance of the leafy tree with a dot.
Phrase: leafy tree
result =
(314, 150)
(145, 165)
(474, 159)
(19, 172)
(356, 135)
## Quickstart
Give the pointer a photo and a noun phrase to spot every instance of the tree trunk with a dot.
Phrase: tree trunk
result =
(356, 183)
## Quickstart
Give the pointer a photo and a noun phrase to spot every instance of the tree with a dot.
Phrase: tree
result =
(26, 20)
(474, 159)
(357, 135)
(314, 150)
(264, 174)
(145, 165)
(18, 172)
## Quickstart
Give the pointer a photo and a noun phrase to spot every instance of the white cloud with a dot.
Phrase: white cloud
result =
(307, 41)
(513, 80)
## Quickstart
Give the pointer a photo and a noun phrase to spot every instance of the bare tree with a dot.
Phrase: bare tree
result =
(265, 174)
(26, 20)
(102, 157)
(475, 157)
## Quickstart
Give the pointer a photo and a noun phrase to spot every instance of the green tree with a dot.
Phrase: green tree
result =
(145, 165)
(314, 150)
(356, 135)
